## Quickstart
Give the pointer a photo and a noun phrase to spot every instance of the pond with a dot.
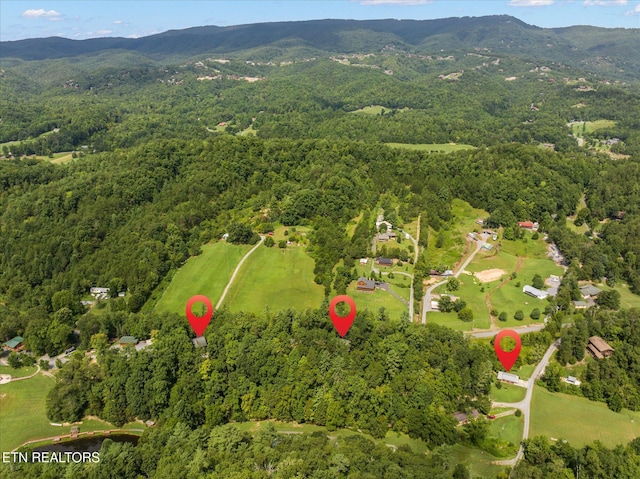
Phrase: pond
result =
(86, 444)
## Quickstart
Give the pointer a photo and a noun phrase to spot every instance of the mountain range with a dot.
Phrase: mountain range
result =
(603, 50)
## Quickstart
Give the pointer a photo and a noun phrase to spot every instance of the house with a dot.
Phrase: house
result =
(573, 381)
(487, 246)
(447, 272)
(434, 272)
(380, 222)
(128, 340)
(580, 304)
(384, 261)
(435, 305)
(366, 285)
(599, 348)
(14, 344)
(589, 291)
(392, 235)
(463, 418)
(199, 342)
(528, 225)
(95, 291)
(508, 377)
(383, 237)
(535, 292)
(364, 261)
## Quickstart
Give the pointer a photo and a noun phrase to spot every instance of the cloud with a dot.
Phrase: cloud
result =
(117, 22)
(530, 3)
(394, 2)
(104, 32)
(42, 13)
(634, 12)
(605, 3)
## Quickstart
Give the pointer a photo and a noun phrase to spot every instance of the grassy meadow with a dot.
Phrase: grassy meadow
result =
(579, 420)
(275, 278)
(206, 274)
(432, 147)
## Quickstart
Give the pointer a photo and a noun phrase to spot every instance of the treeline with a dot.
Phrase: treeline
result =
(286, 366)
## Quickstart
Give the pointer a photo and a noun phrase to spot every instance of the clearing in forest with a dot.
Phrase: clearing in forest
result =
(207, 273)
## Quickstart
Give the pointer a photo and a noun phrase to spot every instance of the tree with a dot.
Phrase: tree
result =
(14, 360)
(269, 242)
(282, 244)
(519, 315)
(453, 284)
(466, 315)
(459, 305)
(445, 305)
(240, 233)
(535, 314)
(503, 316)
(609, 299)
(537, 282)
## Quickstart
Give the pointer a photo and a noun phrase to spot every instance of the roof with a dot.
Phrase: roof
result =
(199, 342)
(581, 304)
(525, 224)
(128, 340)
(383, 237)
(448, 272)
(513, 378)
(366, 283)
(590, 290)
(535, 292)
(600, 344)
(14, 342)
(385, 260)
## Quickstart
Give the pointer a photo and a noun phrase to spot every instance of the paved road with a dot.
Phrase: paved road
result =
(235, 272)
(426, 302)
(525, 404)
(531, 328)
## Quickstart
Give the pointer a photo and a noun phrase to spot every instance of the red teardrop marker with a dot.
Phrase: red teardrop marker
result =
(199, 323)
(342, 323)
(507, 358)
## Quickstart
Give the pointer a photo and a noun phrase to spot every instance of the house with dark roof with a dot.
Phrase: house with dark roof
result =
(589, 291)
(384, 261)
(366, 285)
(463, 418)
(598, 348)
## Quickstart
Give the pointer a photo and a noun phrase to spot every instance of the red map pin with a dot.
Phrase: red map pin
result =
(342, 323)
(199, 323)
(507, 358)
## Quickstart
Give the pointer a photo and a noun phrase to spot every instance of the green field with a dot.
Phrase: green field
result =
(478, 462)
(591, 126)
(18, 373)
(507, 428)
(627, 298)
(440, 147)
(508, 393)
(579, 420)
(206, 274)
(279, 279)
(376, 300)
(371, 110)
(23, 417)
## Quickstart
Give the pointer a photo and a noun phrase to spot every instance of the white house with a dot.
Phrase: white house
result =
(535, 292)
(508, 377)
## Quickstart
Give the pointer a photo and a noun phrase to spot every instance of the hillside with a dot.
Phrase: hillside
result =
(612, 51)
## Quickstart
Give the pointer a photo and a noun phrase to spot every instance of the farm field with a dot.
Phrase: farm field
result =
(579, 420)
(206, 274)
(437, 147)
(279, 279)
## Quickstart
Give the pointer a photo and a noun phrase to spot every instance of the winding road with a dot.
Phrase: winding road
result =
(525, 404)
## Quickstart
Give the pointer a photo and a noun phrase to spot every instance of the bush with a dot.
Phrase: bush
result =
(519, 315)
(466, 315)
(518, 413)
(269, 242)
(494, 312)
(503, 316)
(535, 314)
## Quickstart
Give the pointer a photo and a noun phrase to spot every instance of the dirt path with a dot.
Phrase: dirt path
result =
(235, 272)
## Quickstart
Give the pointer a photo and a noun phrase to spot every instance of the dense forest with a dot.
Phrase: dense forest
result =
(166, 150)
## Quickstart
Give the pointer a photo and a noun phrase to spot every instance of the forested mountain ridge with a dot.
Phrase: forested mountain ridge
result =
(591, 48)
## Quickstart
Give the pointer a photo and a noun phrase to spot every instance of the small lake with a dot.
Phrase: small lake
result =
(88, 444)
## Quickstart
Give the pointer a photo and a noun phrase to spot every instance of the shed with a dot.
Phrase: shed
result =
(199, 342)
(535, 292)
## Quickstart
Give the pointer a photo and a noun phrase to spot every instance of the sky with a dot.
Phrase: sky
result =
(76, 19)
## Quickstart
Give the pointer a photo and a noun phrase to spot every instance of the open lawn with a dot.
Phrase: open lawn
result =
(475, 299)
(439, 147)
(478, 462)
(23, 416)
(530, 248)
(507, 393)
(627, 298)
(579, 420)
(371, 110)
(206, 274)
(18, 373)
(507, 428)
(376, 300)
(279, 279)
(590, 126)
